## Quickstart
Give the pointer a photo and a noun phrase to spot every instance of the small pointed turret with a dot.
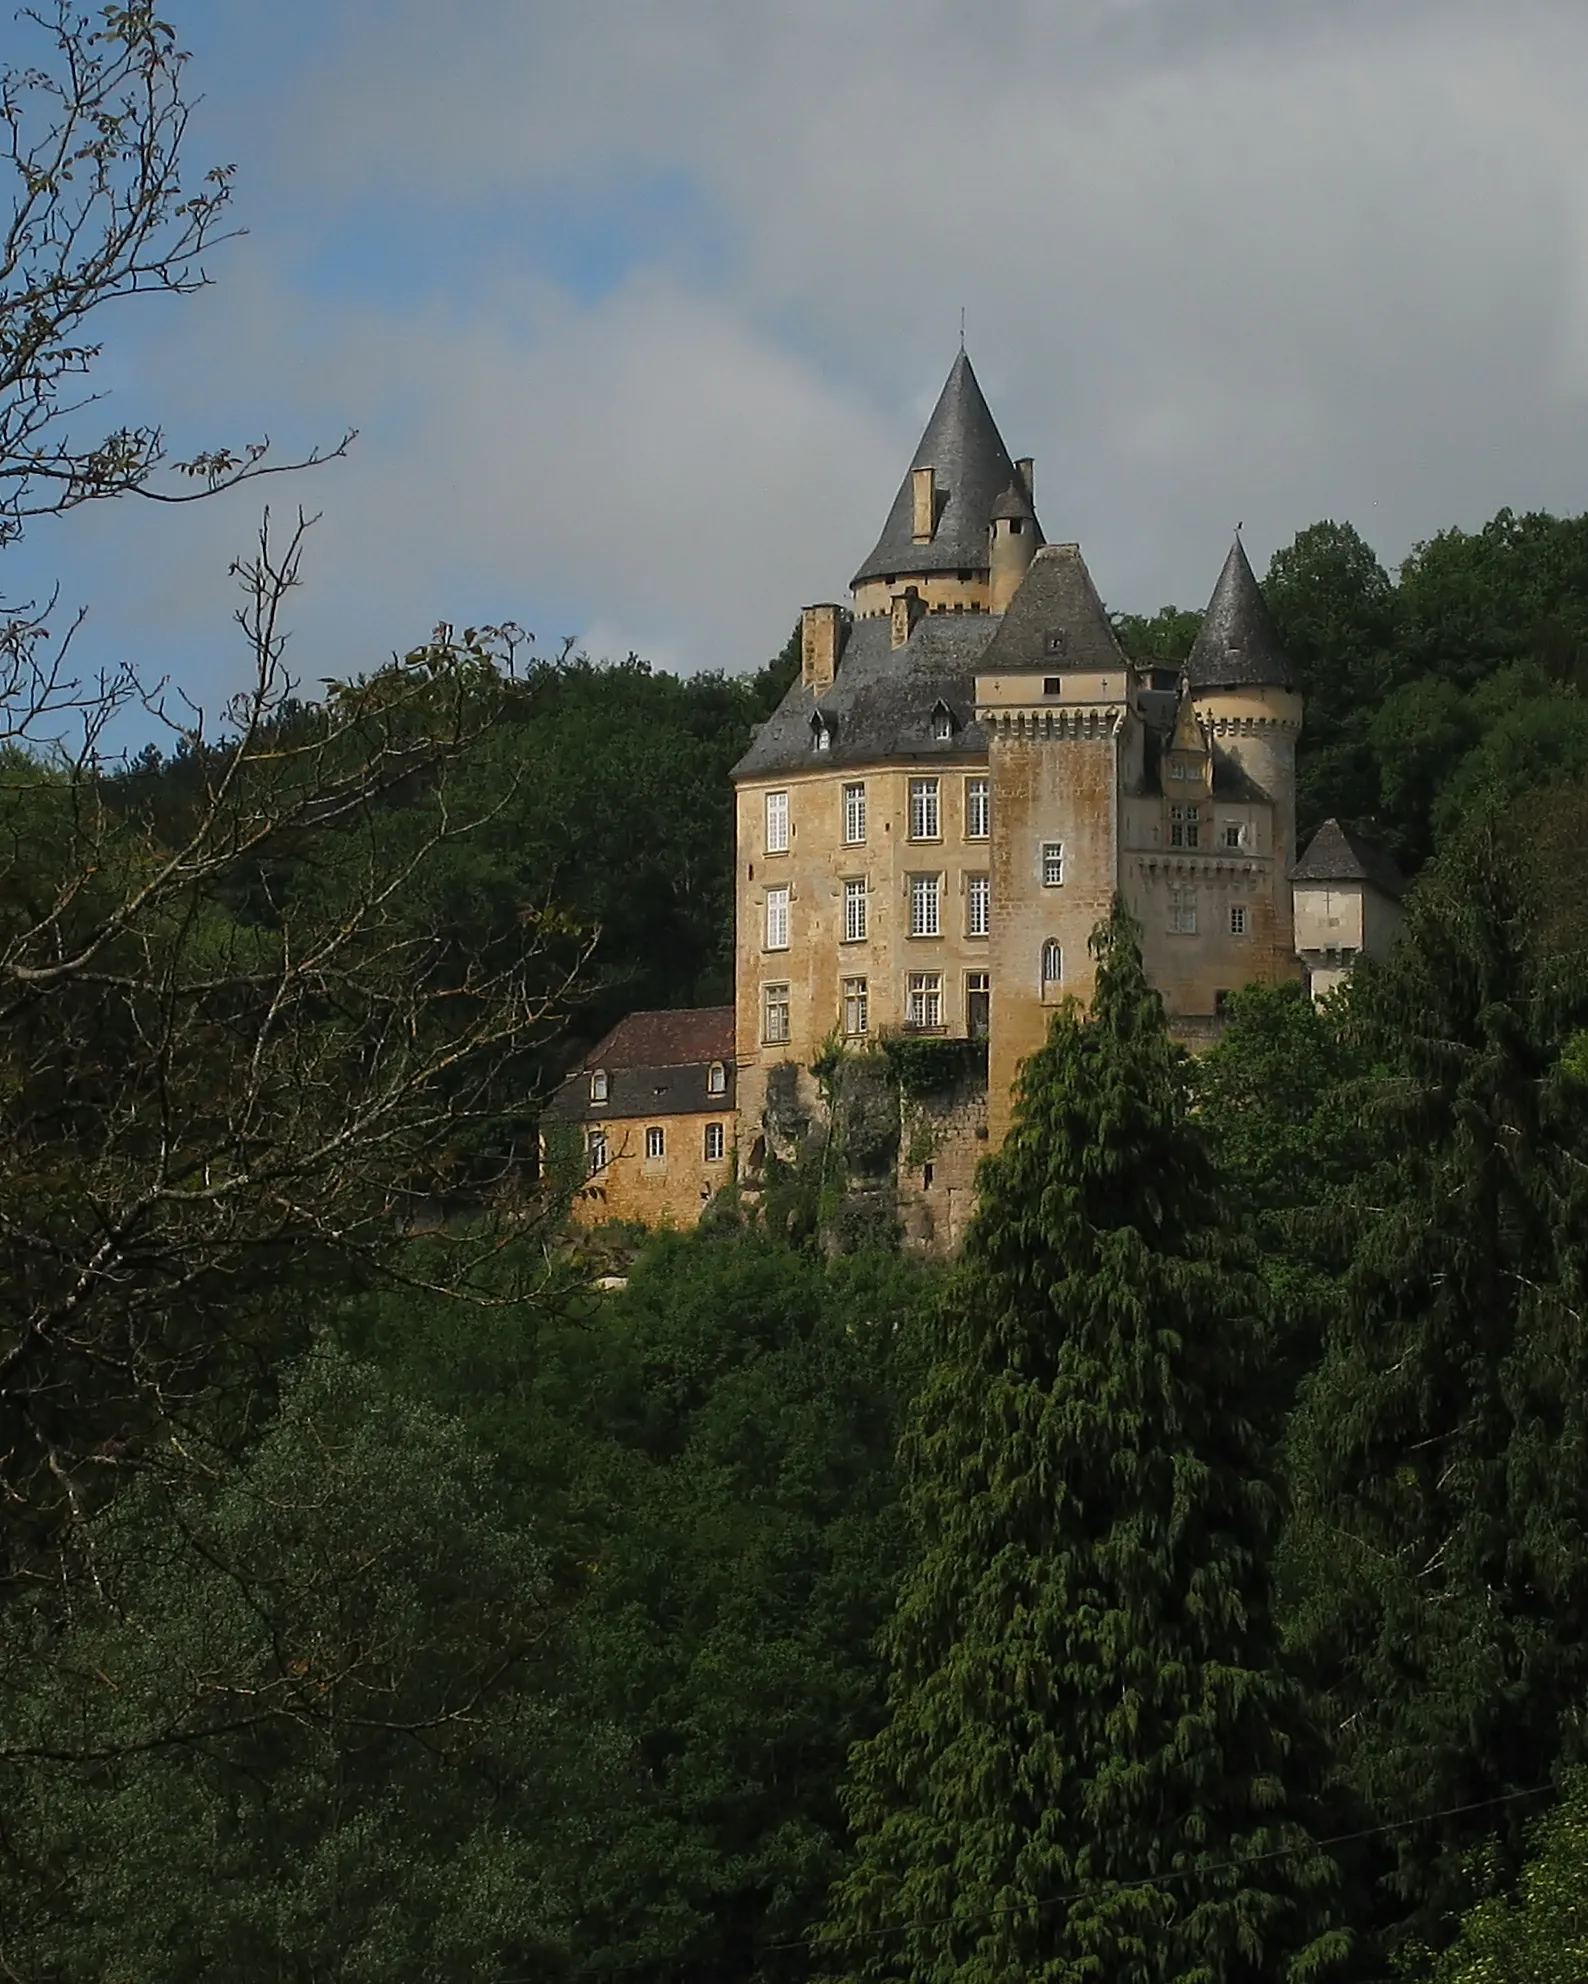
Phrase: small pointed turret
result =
(969, 468)
(1238, 646)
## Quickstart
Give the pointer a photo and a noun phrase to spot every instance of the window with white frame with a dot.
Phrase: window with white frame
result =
(1053, 864)
(926, 905)
(924, 1001)
(1237, 919)
(717, 1079)
(774, 1014)
(1052, 968)
(1234, 834)
(855, 912)
(857, 1007)
(978, 905)
(777, 823)
(925, 817)
(942, 723)
(595, 1151)
(777, 919)
(600, 1085)
(978, 808)
(1185, 826)
(716, 1143)
(1183, 912)
(655, 1142)
(854, 816)
(978, 1004)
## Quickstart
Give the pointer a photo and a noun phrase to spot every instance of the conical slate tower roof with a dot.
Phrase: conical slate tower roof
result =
(971, 470)
(1238, 646)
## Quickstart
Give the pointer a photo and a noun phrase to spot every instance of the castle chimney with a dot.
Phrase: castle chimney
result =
(1026, 469)
(820, 628)
(908, 606)
(923, 491)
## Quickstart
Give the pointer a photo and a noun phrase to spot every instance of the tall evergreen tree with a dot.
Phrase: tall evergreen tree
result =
(1440, 1454)
(1093, 1766)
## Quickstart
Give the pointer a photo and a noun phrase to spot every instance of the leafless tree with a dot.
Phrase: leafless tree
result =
(230, 1050)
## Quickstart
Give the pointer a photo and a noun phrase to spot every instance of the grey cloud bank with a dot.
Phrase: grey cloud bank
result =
(1220, 261)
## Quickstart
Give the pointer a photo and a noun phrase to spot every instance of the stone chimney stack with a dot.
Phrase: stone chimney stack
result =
(821, 633)
(820, 639)
(923, 492)
(908, 606)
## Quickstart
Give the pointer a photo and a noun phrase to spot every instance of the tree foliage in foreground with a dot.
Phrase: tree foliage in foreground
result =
(708, 1460)
(300, 1718)
(1539, 1934)
(1439, 1457)
(1093, 1761)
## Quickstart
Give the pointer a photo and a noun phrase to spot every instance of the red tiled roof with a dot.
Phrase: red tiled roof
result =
(667, 1040)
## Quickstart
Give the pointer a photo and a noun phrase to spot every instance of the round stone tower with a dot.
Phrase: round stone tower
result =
(1248, 699)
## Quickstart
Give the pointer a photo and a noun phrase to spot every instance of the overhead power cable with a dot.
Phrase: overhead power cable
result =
(1175, 1874)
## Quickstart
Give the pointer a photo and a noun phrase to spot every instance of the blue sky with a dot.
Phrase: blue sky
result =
(638, 304)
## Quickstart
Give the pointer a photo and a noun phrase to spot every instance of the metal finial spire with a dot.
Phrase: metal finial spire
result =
(962, 327)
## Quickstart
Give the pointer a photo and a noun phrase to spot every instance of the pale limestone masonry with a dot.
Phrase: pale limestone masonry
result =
(967, 773)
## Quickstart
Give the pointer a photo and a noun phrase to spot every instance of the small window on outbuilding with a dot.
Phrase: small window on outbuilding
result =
(655, 1142)
(716, 1079)
(600, 1086)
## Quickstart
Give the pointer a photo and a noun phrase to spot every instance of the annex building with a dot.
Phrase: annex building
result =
(942, 809)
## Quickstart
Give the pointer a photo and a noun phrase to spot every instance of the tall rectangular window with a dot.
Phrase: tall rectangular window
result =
(655, 1143)
(774, 1014)
(1185, 826)
(857, 1007)
(1237, 919)
(777, 823)
(978, 1004)
(854, 816)
(777, 919)
(854, 912)
(978, 905)
(1183, 912)
(1053, 864)
(595, 1151)
(926, 897)
(925, 817)
(978, 808)
(924, 1001)
(716, 1143)
(1234, 834)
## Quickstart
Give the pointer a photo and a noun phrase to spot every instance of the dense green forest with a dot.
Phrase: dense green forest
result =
(1190, 1583)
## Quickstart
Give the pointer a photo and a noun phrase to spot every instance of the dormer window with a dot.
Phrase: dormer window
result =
(716, 1079)
(600, 1087)
(821, 732)
(942, 722)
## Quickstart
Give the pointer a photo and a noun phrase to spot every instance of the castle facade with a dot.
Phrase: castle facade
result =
(945, 804)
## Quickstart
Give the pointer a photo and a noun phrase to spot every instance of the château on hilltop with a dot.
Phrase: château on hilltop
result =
(938, 814)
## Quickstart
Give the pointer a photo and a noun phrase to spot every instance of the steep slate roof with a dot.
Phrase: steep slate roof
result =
(972, 469)
(666, 1040)
(1056, 602)
(656, 1066)
(1335, 854)
(881, 700)
(1238, 646)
